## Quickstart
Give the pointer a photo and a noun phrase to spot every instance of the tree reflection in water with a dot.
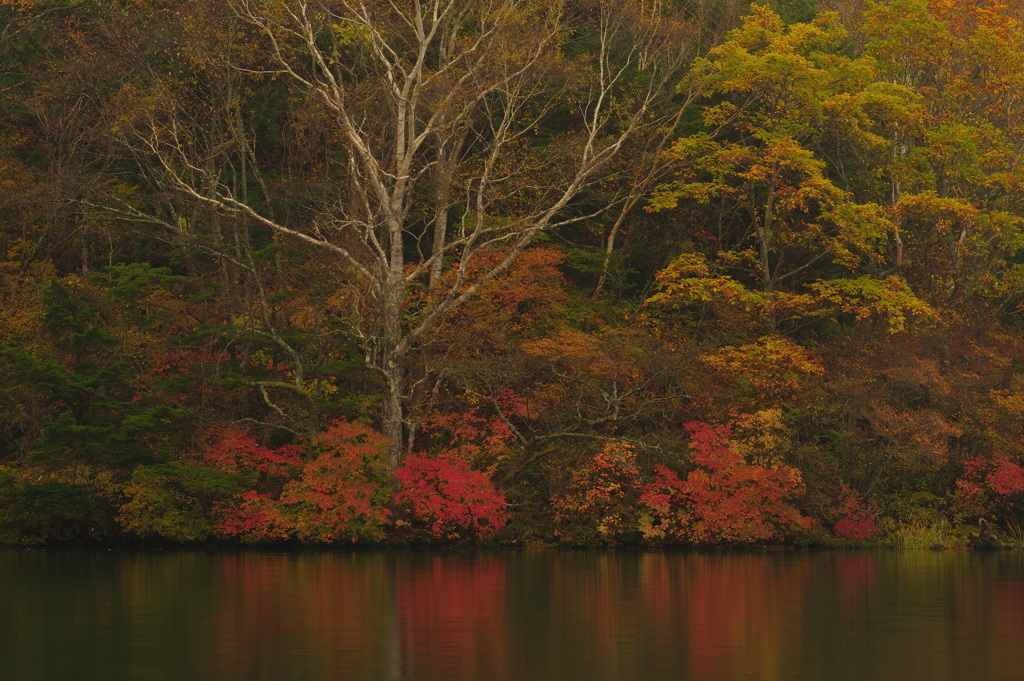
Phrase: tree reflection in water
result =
(510, 616)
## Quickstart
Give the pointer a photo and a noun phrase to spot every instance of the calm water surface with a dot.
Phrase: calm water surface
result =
(520, 616)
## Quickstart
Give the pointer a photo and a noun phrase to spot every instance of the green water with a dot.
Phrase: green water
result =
(520, 616)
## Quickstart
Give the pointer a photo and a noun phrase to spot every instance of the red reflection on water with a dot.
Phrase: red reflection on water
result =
(664, 594)
(857, 582)
(452, 618)
(1005, 630)
(282, 616)
(741, 612)
(562, 616)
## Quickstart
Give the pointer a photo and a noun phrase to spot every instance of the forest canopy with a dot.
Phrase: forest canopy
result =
(663, 272)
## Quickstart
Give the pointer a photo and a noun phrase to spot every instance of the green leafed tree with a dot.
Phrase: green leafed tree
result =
(953, 176)
(763, 181)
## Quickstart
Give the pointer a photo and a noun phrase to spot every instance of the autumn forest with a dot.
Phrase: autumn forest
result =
(652, 273)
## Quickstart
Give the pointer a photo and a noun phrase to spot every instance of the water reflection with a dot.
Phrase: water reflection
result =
(510, 616)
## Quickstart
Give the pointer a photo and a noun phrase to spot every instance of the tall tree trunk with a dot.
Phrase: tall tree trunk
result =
(765, 246)
(610, 246)
(394, 349)
(443, 174)
(392, 415)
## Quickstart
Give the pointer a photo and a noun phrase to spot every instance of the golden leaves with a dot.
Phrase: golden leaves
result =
(773, 365)
(890, 299)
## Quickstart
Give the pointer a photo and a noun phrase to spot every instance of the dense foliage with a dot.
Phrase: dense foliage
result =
(461, 271)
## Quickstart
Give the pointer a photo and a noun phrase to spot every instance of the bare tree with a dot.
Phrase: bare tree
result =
(462, 129)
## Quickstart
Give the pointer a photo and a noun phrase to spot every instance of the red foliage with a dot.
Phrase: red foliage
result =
(450, 497)
(600, 506)
(857, 517)
(1006, 479)
(255, 517)
(970, 484)
(338, 494)
(475, 433)
(237, 448)
(725, 499)
(709, 446)
(666, 500)
(1003, 478)
(511, 403)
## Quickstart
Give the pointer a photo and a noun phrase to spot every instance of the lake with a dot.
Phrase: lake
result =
(510, 615)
